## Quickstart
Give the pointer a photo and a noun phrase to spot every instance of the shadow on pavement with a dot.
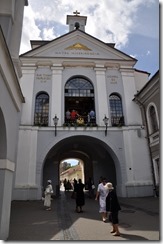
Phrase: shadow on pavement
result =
(30, 222)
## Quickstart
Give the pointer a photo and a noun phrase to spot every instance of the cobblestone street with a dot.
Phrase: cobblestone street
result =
(138, 220)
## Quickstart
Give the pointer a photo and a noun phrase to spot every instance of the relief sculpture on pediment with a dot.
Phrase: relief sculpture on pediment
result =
(78, 46)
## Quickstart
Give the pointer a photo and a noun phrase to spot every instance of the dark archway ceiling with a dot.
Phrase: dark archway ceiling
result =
(79, 146)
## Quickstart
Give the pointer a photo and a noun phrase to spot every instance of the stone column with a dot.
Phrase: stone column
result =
(102, 99)
(57, 94)
(25, 176)
(27, 86)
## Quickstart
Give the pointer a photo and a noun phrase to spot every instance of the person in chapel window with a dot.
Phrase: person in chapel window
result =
(92, 115)
(74, 115)
(68, 115)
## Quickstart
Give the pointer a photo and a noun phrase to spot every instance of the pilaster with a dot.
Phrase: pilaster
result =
(102, 104)
(57, 93)
(131, 109)
(27, 85)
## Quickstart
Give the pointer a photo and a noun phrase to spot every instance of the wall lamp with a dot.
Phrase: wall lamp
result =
(106, 124)
(55, 119)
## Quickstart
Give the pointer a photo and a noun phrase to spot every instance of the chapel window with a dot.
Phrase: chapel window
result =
(41, 116)
(153, 119)
(79, 98)
(117, 118)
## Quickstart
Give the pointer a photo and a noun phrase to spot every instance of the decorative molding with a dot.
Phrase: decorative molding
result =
(6, 164)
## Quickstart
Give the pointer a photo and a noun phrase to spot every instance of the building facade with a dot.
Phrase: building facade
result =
(79, 72)
(148, 98)
(11, 99)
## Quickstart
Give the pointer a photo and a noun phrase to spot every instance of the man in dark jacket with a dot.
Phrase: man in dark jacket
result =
(112, 206)
(80, 197)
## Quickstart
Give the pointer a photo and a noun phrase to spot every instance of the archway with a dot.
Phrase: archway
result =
(97, 157)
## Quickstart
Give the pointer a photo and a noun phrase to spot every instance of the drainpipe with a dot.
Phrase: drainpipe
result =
(150, 152)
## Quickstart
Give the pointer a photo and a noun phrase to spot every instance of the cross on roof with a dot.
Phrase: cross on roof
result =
(76, 12)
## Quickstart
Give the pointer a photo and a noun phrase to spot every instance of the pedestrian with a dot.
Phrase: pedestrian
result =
(80, 197)
(68, 185)
(48, 192)
(73, 195)
(65, 183)
(101, 194)
(113, 207)
(75, 184)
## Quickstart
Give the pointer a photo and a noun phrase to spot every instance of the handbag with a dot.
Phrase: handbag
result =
(93, 187)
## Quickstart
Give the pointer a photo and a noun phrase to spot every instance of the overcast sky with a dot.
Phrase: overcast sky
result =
(133, 25)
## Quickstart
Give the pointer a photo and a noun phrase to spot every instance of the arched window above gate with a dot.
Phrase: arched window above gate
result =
(117, 118)
(79, 98)
(79, 87)
(41, 115)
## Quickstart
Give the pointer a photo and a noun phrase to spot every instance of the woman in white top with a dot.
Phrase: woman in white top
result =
(48, 192)
(101, 195)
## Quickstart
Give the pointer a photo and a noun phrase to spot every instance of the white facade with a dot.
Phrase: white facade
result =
(11, 99)
(122, 156)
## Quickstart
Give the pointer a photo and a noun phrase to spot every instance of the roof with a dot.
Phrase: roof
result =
(44, 43)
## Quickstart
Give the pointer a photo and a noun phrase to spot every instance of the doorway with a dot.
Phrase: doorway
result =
(96, 163)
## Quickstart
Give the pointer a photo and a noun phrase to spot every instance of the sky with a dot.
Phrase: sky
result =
(71, 161)
(133, 25)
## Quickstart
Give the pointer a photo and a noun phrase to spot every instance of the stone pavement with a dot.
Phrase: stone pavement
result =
(138, 221)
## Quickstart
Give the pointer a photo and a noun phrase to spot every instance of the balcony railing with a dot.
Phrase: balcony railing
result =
(117, 121)
(80, 121)
(41, 120)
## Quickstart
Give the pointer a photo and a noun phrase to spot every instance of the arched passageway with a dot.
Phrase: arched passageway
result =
(95, 154)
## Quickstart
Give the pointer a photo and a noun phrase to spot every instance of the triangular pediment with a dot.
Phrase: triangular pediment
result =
(77, 44)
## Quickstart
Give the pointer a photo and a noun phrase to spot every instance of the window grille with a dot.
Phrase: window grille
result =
(117, 118)
(41, 115)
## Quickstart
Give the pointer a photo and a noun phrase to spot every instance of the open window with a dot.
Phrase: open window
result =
(79, 96)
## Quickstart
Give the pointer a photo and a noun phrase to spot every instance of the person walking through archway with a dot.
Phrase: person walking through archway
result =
(101, 194)
(48, 192)
(80, 197)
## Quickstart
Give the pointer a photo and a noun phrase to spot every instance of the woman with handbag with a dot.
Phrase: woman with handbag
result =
(48, 192)
(112, 206)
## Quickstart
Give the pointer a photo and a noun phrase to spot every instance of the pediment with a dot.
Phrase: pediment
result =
(77, 44)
